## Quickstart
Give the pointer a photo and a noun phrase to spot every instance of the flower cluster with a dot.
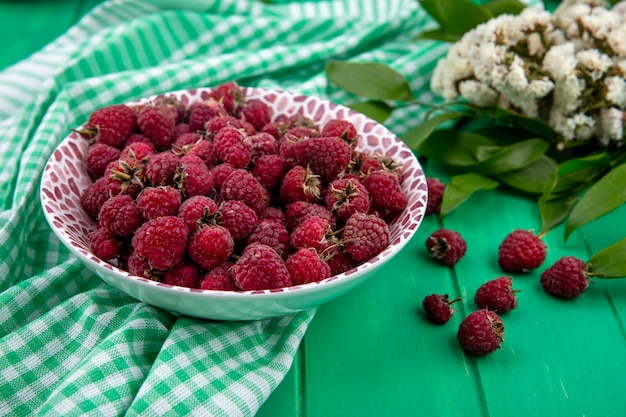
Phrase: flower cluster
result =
(567, 68)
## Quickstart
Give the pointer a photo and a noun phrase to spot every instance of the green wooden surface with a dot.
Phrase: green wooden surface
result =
(372, 352)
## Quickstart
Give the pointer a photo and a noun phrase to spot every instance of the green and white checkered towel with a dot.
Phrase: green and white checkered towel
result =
(72, 345)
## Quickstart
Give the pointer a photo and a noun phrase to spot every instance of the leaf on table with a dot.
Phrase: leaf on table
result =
(533, 177)
(610, 262)
(553, 210)
(438, 34)
(377, 110)
(601, 198)
(498, 7)
(453, 147)
(369, 79)
(461, 187)
(414, 137)
(530, 124)
(578, 172)
(456, 16)
(510, 158)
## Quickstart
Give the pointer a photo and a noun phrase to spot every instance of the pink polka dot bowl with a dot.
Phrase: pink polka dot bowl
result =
(65, 178)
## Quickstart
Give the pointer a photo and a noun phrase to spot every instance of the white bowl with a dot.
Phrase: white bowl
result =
(65, 177)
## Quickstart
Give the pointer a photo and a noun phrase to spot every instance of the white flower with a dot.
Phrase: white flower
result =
(560, 60)
(610, 125)
(567, 93)
(594, 63)
(617, 40)
(540, 88)
(535, 44)
(478, 93)
(584, 126)
(616, 91)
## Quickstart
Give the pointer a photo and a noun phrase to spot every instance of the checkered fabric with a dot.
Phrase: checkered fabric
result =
(72, 345)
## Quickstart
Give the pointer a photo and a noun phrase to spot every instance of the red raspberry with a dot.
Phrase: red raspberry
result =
(230, 95)
(210, 246)
(193, 177)
(99, 155)
(220, 173)
(301, 210)
(233, 146)
(377, 162)
(481, 332)
(326, 156)
(138, 138)
(497, 295)
(313, 232)
(385, 190)
(275, 214)
(260, 268)
(263, 144)
(94, 197)
(197, 211)
(187, 139)
(365, 236)
(273, 234)
(202, 112)
(276, 129)
(521, 251)
(219, 278)
(105, 245)
(138, 150)
(435, 195)
(300, 184)
(120, 215)
(347, 196)
(566, 278)
(287, 149)
(162, 241)
(125, 176)
(181, 129)
(446, 246)
(340, 262)
(196, 144)
(111, 125)
(257, 113)
(161, 168)
(297, 120)
(183, 274)
(306, 266)
(238, 218)
(439, 308)
(158, 201)
(178, 108)
(158, 124)
(341, 128)
(269, 170)
(242, 186)
(216, 124)
(140, 267)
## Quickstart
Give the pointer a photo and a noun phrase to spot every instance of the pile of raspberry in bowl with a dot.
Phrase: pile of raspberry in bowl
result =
(224, 193)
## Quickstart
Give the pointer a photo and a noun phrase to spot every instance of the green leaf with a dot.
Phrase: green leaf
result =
(512, 157)
(377, 110)
(578, 172)
(531, 124)
(533, 177)
(498, 7)
(414, 137)
(456, 16)
(369, 79)
(554, 210)
(610, 262)
(453, 147)
(461, 187)
(439, 34)
(604, 196)
(431, 8)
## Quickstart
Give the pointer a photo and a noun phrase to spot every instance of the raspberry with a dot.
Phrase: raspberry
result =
(377, 162)
(216, 124)
(306, 266)
(521, 251)
(181, 129)
(230, 95)
(233, 146)
(276, 129)
(220, 173)
(446, 246)
(177, 107)
(300, 184)
(186, 139)
(161, 241)
(497, 295)
(193, 177)
(125, 176)
(219, 278)
(341, 128)
(99, 155)
(183, 274)
(120, 215)
(275, 214)
(287, 149)
(257, 113)
(140, 267)
(186, 145)
(158, 124)
(273, 234)
(263, 144)
(161, 168)
(158, 201)
(111, 125)
(365, 236)
(340, 262)
(94, 197)
(301, 210)
(314, 232)
(435, 195)
(197, 211)
(481, 332)
(385, 190)
(566, 278)
(242, 186)
(138, 150)
(303, 132)
(238, 218)
(210, 246)
(202, 112)
(137, 138)
(269, 170)
(347, 196)
(105, 245)
(260, 268)
(325, 156)
(439, 308)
